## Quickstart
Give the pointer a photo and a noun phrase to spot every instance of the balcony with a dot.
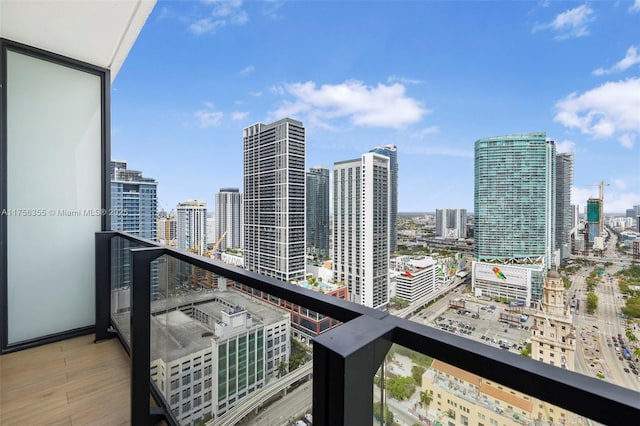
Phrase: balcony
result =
(166, 322)
(133, 379)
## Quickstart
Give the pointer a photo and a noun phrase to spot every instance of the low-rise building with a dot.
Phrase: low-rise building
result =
(416, 278)
(211, 350)
(305, 323)
(467, 399)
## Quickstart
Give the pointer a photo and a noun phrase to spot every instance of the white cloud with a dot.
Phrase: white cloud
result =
(239, 115)
(619, 183)
(277, 90)
(627, 140)
(247, 70)
(270, 9)
(570, 23)
(608, 111)
(379, 106)
(209, 118)
(635, 7)
(223, 13)
(402, 80)
(631, 58)
(255, 94)
(439, 150)
(565, 146)
(427, 131)
(205, 25)
(614, 200)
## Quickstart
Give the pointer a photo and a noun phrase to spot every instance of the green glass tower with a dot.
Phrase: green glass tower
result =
(515, 202)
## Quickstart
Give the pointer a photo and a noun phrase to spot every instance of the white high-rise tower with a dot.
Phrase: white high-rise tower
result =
(361, 202)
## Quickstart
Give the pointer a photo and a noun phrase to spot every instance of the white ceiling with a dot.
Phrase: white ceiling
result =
(100, 32)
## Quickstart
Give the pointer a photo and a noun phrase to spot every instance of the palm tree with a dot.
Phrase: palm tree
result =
(425, 399)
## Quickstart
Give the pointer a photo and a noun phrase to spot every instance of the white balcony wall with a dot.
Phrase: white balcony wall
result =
(54, 155)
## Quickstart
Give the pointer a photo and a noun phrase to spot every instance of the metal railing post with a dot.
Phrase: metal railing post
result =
(345, 360)
(103, 285)
(141, 333)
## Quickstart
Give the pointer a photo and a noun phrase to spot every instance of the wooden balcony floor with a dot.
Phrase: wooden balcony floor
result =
(73, 382)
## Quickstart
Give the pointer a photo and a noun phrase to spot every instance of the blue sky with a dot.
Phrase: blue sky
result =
(430, 77)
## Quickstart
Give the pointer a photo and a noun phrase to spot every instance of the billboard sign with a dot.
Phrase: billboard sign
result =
(502, 274)
(516, 303)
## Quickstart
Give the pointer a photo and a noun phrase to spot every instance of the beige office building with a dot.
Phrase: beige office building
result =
(463, 398)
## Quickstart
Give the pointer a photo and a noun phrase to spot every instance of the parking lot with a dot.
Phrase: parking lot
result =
(486, 321)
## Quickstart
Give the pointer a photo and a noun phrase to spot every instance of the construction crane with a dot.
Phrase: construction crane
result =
(211, 253)
(199, 249)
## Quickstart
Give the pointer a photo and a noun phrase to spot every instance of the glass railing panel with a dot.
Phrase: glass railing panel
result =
(414, 389)
(122, 281)
(222, 352)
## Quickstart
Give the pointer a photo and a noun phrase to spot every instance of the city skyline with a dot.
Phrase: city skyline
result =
(433, 78)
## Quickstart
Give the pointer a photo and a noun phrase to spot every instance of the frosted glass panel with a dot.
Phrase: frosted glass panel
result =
(53, 196)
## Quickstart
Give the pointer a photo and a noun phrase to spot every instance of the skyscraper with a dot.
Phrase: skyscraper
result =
(318, 212)
(133, 201)
(391, 151)
(564, 180)
(134, 205)
(192, 226)
(451, 223)
(274, 191)
(228, 214)
(167, 228)
(514, 214)
(361, 228)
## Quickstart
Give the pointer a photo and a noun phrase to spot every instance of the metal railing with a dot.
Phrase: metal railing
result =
(346, 357)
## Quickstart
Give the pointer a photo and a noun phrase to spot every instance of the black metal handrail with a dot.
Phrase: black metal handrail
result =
(347, 357)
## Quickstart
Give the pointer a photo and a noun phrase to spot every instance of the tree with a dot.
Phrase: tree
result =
(592, 303)
(377, 413)
(526, 351)
(282, 368)
(400, 388)
(416, 373)
(425, 399)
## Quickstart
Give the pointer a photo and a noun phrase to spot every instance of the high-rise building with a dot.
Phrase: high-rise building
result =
(211, 228)
(361, 228)
(317, 200)
(134, 201)
(564, 181)
(451, 223)
(391, 151)
(575, 215)
(594, 218)
(192, 226)
(134, 205)
(228, 218)
(274, 194)
(514, 212)
(167, 229)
